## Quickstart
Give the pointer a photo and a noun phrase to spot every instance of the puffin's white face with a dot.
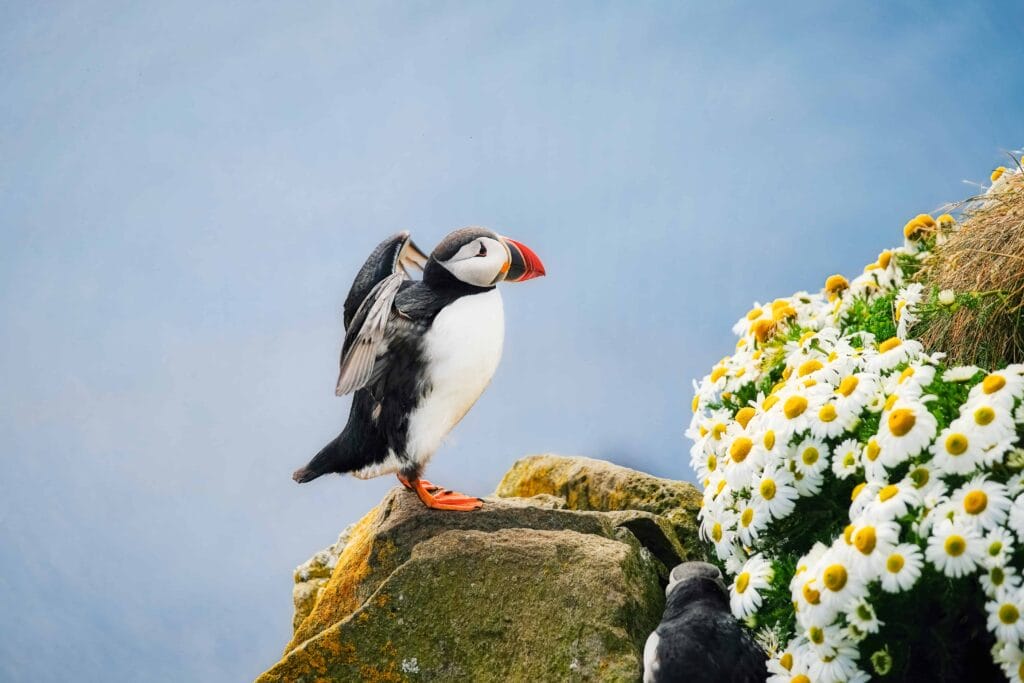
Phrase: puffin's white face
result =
(482, 262)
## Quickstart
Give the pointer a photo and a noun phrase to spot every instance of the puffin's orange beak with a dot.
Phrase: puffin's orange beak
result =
(523, 263)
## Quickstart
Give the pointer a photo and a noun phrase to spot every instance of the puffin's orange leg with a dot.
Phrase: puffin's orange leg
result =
(446, 500)
(426, 484)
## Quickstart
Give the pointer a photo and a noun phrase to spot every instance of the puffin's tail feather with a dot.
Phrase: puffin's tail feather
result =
(329, 459)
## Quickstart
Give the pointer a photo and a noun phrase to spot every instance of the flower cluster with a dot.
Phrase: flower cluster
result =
(848, 472)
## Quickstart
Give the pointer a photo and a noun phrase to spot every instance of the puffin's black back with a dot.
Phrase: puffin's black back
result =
(701, 642)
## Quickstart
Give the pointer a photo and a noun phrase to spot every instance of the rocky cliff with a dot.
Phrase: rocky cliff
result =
(558, 577)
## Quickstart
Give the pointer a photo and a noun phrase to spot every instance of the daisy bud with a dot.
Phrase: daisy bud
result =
(947, 297)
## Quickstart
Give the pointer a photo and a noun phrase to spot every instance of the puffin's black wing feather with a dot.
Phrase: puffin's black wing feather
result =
(396, 254)
(366, 338)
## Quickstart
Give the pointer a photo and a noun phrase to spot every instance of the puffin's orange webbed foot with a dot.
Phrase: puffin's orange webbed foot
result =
(445, 500)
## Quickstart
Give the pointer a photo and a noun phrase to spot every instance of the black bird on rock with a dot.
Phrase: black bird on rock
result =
(418, 354)
(698, 639)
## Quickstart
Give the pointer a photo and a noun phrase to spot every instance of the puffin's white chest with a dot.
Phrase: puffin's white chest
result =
(461, 352)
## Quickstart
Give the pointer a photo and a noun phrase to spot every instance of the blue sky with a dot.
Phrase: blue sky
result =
(186, 192)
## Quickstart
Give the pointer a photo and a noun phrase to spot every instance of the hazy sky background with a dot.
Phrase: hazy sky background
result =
(186, 192)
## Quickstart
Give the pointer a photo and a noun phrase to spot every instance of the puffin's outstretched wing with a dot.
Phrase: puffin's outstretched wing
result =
(396, 254)
(366, 338)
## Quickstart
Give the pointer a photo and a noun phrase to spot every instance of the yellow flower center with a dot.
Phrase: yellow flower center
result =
(712, 463)
(769, 402)
(703, 430)
(883, 259)
(905, 375)
(767, 489)
(920, 477)
(997, 173)
(801, 678)
(784, 313)
(891, 401)
(956, 443)
(696, 403)
(857, 489)
(834, 577)
(742, 581)
(984, 415)
(794, 407)
(805, 336)
(1008, 614)
(873, 450)
(717, 374)
(747, 517)
(718, 430)
(786, 661)
(716, 532)
(809, 456)
(740, 449)
(848, 385)
(762, 329)
(769, 439)
(754, 314)
(975, 502)
(827, 413)
(865, 540)
(899, 314)
(889, 344)
(888, 492)
(720, 487)
(894, 563)
(848, 534)
(745, 415)
(816, 635)
(812, 596)
(901, 421)
(849, 460)
(993, 383)
(836, 283)
(955, 545)
(808, 367)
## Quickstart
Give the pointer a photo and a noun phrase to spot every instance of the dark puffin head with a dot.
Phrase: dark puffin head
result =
(480, 258)
(693, 581)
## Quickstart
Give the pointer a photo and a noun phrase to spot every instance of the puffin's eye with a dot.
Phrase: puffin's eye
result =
(483, 250)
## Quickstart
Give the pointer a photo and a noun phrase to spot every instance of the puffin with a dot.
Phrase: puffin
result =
(417, 354)
(698, 639)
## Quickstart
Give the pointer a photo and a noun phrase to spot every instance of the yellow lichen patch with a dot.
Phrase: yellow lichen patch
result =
(338, 598)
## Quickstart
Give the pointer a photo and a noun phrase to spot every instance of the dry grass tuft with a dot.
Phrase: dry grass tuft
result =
(982, 262)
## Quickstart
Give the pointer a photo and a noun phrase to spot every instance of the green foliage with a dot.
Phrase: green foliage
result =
(875, 316)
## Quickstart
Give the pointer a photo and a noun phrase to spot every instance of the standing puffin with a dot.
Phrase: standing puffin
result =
(698, 640)
(418, 354)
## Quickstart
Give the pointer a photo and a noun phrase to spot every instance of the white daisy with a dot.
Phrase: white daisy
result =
(775, 491)
(745, 592)
(845, 462)
(962, 373)
(998, 547)
(955, 549)
(902, 568)
(981, 503)
(954, 453)
(906, 429)
(872, 542)
(752, 521)
(893, 501)
(862, 615)
(1000, 387)
(1006, 615)
(987, 422)
(892, 352)
(810, 457)
(999, 578)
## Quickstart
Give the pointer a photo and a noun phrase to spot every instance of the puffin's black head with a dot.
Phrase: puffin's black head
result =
(693, 573)
(482, 258)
